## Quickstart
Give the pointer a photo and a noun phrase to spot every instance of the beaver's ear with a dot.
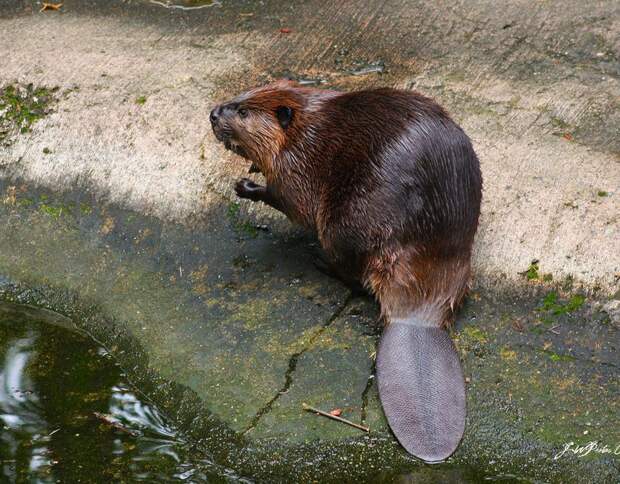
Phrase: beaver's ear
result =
(284, 115)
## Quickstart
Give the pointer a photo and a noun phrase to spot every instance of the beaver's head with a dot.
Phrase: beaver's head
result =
(257, 123)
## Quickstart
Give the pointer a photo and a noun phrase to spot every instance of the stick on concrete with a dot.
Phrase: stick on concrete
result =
(333, 417)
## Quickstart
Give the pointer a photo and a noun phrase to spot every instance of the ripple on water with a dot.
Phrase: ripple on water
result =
(67, 413)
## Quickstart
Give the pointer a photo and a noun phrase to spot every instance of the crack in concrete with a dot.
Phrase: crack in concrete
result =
(292, 365)
(369, 383)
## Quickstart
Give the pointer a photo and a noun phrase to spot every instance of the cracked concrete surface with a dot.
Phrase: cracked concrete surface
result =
(292, 368)
(121, 200)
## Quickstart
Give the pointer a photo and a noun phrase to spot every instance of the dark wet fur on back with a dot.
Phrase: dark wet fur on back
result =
(392, 187)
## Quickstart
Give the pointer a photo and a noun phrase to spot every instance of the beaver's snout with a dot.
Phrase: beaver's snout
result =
(222, 121)
(221, 131)
(215, 115)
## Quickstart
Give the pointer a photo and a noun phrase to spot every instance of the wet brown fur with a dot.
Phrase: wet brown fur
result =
(388, 181)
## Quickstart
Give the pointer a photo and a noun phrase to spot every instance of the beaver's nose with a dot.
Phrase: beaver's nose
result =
(215, 114)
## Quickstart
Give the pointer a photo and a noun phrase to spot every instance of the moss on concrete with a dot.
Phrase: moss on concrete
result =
(231, 350)
(21, 107)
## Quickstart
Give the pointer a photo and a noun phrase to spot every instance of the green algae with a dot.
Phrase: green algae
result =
(54, 212)
(85, 209)
(574, 303)
(475, 334)
(557, 357)
(508, 354)
(242, 227)
(25, 202)
(553, 305)
(254, 314)
(21, 107)
(533, 273)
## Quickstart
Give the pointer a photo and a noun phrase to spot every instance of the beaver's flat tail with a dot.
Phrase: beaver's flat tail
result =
(422, 389)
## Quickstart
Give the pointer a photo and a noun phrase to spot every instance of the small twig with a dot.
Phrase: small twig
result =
(181, 7)
(334, 417)
(53, 432)
(553, 329)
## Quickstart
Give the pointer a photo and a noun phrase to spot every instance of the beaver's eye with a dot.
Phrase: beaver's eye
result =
(243, 112)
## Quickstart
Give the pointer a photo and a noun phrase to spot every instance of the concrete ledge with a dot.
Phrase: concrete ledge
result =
(538, 94)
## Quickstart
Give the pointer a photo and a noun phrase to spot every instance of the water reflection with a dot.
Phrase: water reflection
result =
(68, 415)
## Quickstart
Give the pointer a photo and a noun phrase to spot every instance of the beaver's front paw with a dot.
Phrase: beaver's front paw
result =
(246, 188)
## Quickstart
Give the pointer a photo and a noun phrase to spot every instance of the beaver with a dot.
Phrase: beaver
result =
(391, 186)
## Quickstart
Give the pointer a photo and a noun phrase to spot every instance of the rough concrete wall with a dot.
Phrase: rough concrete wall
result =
(535, 85)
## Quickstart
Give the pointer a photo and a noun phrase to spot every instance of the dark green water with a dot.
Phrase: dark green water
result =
(67, 413)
